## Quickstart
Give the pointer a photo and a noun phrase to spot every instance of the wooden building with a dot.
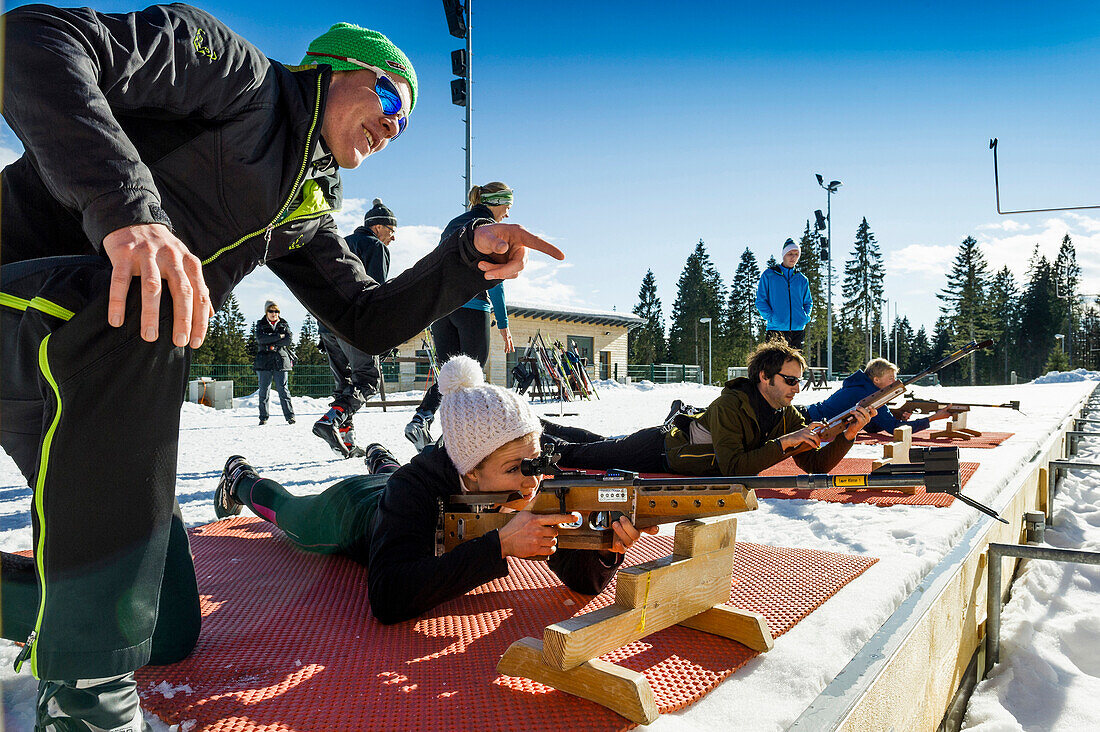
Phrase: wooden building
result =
(600, 337)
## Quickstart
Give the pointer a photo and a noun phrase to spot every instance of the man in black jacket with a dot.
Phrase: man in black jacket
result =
(355, 373)
(162, 145)
(273, 362)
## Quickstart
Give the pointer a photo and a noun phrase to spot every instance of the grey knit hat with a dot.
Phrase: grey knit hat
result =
(270, 304)
(476, 417)
(379, 215)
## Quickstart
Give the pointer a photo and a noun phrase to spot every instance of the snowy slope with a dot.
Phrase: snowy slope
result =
(774, 688)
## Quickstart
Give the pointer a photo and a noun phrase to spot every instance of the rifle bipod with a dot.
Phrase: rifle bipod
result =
(940, 474)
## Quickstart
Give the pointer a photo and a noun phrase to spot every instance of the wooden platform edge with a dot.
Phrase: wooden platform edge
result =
(927, 644)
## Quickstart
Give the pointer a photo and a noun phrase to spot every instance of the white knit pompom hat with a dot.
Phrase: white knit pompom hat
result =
(476, 417)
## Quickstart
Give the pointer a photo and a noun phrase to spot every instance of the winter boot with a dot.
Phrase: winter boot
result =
(225, 495)
(328, 429)
(90, 705)
(347, 436)
(416, 431)
(380, 460)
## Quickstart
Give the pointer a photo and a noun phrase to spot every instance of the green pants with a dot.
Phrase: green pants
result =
(336, 521)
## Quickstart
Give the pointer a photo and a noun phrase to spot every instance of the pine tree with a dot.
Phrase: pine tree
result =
(1066, 276)
(742, 322)
(1038, 317)
(810, 264)
(1003, 305)
(647, 342)
(225, 337)
(863, 276)
(964, 302)
(921, 352)
(307, 351)
(699, 294)
(902, 333)
(941, 346)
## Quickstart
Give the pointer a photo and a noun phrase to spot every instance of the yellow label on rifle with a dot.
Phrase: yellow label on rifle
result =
(849, 480)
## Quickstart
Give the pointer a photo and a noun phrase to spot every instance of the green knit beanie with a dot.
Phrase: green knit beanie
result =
(369, 47)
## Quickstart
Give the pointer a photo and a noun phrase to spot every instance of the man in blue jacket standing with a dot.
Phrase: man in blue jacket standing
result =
(783, 298)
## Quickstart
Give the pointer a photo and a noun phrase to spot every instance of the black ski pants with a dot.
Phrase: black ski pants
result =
(464, 331)
(354, 373)
(90, 414)
(642, 452)
(794, 338)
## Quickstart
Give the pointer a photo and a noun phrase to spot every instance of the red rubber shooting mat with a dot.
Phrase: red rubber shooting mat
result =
(288, 642)
(854, 466)
(924, 439)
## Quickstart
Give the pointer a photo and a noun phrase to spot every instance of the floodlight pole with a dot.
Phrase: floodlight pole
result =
(710, 351)
(469, 102)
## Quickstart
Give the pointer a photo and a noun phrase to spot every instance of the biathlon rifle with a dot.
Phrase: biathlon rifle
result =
(832, 428)
(598, 501)
(913, 405)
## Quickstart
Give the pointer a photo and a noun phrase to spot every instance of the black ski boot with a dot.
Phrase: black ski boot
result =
(225, 495)
(90, 705)
(328, 429)
(347, 436)
(416, 431)
(380, 460)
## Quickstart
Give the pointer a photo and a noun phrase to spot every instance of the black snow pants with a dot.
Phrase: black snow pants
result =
(90, 414)
(466, 330)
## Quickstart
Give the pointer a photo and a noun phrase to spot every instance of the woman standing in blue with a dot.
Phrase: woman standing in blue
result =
(783, 298)
(466, 330)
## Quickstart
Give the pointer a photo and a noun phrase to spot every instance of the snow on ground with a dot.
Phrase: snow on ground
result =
(774, 688)
(1048, 677)
(1061, 377)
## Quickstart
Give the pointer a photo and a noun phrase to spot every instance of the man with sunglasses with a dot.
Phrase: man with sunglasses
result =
(748, 428)
(161, 145)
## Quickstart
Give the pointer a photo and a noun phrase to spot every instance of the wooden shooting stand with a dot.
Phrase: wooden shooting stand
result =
(895, 452)
(688, 587)
(956, 427)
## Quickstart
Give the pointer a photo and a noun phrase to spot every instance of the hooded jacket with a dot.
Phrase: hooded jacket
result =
(167, 116)
(856, 387)
(738, 445)
(406, 578)
(273, 342)
(783, 299)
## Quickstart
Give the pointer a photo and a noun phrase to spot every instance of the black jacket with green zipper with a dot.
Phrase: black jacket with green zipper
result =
(167, 116)
(738, 445)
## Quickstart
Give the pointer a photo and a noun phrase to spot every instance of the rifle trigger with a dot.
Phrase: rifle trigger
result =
(561, 492)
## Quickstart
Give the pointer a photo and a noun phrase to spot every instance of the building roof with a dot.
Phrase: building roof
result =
(574, 315)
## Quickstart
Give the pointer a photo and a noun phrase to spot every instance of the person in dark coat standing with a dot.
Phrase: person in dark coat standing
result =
(783, 298)
(274, 361)
(355, 373)
(166, 158)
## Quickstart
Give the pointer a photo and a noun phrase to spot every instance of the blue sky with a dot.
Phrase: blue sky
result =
(631, 130)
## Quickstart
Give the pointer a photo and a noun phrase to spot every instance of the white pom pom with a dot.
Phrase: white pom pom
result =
(460, 372)
(377, 202)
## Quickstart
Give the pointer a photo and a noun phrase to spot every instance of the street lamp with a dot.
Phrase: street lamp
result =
(710, 363)
(829, 191)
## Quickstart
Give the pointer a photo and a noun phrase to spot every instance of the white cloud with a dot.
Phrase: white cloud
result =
(1006, 225)
(7, 155)
(919, 259)
(1015, 250)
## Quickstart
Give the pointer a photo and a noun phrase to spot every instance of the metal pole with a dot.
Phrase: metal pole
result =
(993, 586)
(469, 102)
(829, 222)
(710, 354)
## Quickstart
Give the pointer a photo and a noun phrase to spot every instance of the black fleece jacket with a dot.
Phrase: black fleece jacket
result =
(405, 578)
(167, 116)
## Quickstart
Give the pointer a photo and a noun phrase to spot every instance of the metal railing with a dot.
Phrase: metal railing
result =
(312, 380)
(993, 586)
(665, 373)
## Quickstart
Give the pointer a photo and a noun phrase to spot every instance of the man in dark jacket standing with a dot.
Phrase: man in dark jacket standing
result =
(355, 373)
(162, 145)
(783, 298)
(273, 362)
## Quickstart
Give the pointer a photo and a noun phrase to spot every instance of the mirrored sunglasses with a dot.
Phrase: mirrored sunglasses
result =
(384, 87)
